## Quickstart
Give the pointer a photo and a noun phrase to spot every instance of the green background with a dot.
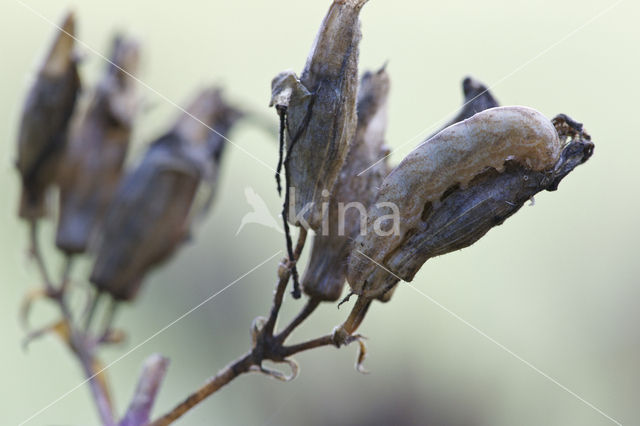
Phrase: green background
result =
(557, 284)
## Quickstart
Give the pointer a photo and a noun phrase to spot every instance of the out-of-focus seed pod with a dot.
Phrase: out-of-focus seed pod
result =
(92, 165)
(44, 122)
(325, 275)
(211, 108)
(320, 111)
(468, 160)
(152, 211)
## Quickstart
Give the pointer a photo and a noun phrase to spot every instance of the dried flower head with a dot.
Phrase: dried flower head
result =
(318, 111)
(45, 118)
(92, 165)
(451, 190)
(152, 212)
(352, 194)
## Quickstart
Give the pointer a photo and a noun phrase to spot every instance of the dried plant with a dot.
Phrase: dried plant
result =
(375, 225)
(92, 164)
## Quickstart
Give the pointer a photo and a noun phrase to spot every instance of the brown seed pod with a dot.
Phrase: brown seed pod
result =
(452, 190)
(152, 211)
(318, 111)
(325, 274)
(45, 118)
(92, 164)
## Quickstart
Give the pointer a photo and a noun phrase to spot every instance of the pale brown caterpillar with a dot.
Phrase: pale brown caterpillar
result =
(452, 158)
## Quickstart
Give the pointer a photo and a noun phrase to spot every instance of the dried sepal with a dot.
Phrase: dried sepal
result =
(362, 355)
(463, 214)
(151, 214)
(320, 109)
(278, 375)
(99, 141)
(325, 274)
(257, 325)
(45, 118)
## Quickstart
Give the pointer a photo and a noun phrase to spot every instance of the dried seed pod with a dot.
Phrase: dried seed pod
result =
(92, 164)
(325, 275)
(477, 98)
(45, 118)
(151, 213)
(320, 111)
(211, 108)
(448, 162)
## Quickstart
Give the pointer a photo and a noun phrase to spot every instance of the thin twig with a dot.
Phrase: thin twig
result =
(80, 344)
(100, 397)
(308, 309)
(282, 284)
(37, 256)
(278, 296)
(240, 366)
(310, 344)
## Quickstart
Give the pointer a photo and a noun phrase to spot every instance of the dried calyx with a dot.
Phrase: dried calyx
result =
(500, 159)
(318, 118)
(45, 120)
(151, 213)
(352, 194)
(92, 165)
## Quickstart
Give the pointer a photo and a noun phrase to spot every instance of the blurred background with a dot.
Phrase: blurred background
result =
(557, 284)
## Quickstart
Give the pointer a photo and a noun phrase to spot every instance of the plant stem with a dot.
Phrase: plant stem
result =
(80, 345)
(240, 366)
(308, 309)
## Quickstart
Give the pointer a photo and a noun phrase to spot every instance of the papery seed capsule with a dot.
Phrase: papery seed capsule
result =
(152, 211)
(451, 159)
(92, 164)
(320, 110)
(352, 195)
(45, 118)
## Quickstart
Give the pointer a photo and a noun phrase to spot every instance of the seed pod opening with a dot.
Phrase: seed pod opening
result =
(320, 110)
(151, 214)
(449, 167)
(352, 195)
(92, 164)
(45, 118)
